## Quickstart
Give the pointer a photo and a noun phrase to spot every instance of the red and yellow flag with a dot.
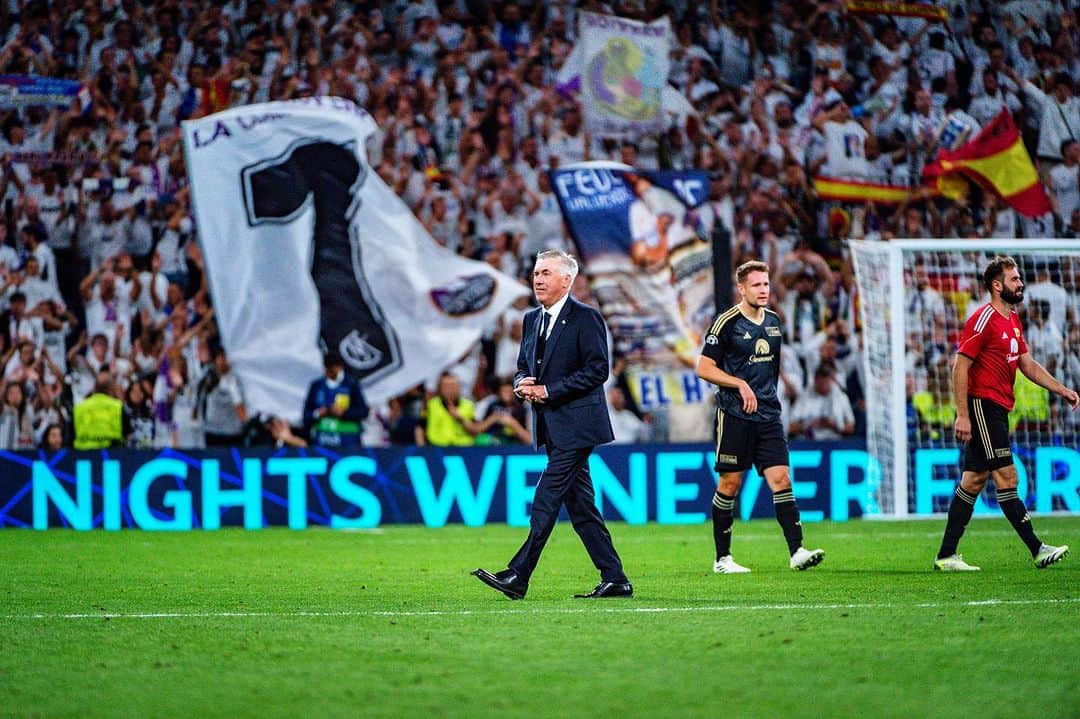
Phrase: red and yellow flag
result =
(998, 161)
(215, 96)
(834, 188)
(908, 9)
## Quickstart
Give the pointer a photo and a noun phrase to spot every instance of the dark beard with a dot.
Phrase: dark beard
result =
(1013, 298)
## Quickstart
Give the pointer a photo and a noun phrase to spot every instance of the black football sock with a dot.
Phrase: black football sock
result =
(1016, 513)
(787, 514)
(963, 504)
(722, 520)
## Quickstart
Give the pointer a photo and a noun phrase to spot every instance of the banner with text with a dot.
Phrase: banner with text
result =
(654, 390)
(668, 484)
(307, 248)
(643, 246)
(625, 66)
(26, 90)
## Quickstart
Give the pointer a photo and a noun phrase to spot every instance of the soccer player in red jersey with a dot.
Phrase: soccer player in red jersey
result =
(991, 349)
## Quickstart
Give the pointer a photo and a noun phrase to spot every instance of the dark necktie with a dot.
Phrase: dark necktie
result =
(541, 339)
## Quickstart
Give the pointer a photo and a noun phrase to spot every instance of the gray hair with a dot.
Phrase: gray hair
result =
(569, 264)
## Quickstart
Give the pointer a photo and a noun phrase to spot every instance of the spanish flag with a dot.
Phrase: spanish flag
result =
(215, 96)
(997, 160)
(840, 190)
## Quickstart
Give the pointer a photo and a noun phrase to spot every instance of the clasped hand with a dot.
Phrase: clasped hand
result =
(528, 390)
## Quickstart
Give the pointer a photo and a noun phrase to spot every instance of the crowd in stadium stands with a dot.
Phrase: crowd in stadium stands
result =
(103, 285)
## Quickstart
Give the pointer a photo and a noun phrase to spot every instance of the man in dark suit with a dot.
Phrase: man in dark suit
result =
(562, 365)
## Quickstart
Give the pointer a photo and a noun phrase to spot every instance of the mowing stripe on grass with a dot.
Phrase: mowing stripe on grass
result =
(540, 610)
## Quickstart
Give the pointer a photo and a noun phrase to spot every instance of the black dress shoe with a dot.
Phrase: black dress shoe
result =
(605, 590)
(505, 581)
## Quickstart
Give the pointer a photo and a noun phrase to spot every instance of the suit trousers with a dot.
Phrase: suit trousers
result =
(566, 480)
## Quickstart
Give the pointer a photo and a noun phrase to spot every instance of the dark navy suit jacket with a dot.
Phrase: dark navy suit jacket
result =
(574, 368)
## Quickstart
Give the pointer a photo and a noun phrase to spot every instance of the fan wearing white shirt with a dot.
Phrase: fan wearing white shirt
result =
(824, 412)
(1047, 339)
(570, 143)
(881, 98)
(154, 291)
(1065, 181)
(922, 128)
(995, 61)
(845, 154)
(107, 308)
(16, 141)
(772, 59)
(52, 206)
(545, 222)
(1059, 112)
(891, 47)
(32, 237)
(21, 367)
(1044, 289)
(166, 98)
(34, 288)
(987, 106)
(936, 61)
(107, 235)
(734, 49)
(923, 301)
(628, 427)
(18, 325)
(1034, 12)
(507, 339)
(9, 258)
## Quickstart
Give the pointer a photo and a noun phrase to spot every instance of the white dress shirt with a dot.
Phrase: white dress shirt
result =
(554, 311)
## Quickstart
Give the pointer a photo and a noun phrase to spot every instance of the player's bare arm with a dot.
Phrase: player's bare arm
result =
(1040, 376)
(962, 427)
(710, 372)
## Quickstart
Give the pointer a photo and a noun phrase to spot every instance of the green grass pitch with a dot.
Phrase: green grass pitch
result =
(389, 623)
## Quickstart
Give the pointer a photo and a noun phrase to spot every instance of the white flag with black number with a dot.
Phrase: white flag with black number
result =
(306, 247)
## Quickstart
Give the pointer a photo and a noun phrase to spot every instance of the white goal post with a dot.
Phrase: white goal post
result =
(914, 296)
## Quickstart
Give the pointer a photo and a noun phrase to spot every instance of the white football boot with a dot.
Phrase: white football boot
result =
(954, 563)
(806, 558)
(727, 565)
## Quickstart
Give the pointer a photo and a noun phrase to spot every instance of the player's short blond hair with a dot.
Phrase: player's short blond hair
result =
(747, 267)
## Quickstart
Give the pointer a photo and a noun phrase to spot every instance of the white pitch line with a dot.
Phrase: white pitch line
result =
(541, 610)
(625, 538)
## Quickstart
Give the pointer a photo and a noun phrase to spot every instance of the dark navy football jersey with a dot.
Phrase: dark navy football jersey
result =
(751, 352)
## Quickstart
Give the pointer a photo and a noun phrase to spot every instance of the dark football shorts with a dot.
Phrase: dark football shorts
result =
(741, 443)
(989, 447)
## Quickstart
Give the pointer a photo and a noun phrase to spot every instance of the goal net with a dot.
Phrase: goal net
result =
(914, 297)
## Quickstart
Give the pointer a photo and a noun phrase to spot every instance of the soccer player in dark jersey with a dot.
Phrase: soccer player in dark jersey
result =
(742, 358)
(991, 349)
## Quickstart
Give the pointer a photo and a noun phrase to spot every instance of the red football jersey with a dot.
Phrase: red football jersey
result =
(995, 344)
